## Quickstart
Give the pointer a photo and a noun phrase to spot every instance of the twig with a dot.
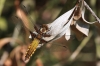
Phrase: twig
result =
(15, 34)
(91, 11)
(3, 58)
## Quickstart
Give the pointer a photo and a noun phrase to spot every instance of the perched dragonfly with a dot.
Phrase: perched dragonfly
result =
(48, 32)
(37, 39)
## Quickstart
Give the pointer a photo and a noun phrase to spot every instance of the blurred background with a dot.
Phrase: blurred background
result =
(14, 36)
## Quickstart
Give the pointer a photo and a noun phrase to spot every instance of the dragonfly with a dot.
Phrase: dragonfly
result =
(37, 39)
(49, 32)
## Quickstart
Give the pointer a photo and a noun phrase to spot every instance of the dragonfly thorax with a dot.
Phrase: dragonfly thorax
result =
(41, 31)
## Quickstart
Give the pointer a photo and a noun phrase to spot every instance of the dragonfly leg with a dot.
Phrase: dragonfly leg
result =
(43, 41)
(37, 28)
(46, 35)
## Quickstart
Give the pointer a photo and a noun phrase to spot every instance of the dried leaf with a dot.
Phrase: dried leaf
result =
(17, 55)
(83, 17)
(82, 27)
(4, 41)
(68, 34)
(58, 24)
(39, 62)
(77, 14)
(96, 23)
(59, 27)
(77, 33)
(66, 30)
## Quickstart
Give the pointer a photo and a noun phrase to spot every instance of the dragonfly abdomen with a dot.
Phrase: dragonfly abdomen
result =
(32, 48)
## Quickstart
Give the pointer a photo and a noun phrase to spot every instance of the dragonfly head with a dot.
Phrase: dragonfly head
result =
(44, 28)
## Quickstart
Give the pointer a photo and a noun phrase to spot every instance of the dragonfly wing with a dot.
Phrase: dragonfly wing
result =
(56, 47)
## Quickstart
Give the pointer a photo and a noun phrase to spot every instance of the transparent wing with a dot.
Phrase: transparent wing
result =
(57, 47)
(23, 17)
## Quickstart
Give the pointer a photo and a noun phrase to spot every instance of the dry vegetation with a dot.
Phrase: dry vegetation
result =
(81, 48)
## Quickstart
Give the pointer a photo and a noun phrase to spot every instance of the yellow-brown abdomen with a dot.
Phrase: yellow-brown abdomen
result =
(32, 47)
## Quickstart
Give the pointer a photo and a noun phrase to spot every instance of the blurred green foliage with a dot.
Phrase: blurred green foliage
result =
(3, 24)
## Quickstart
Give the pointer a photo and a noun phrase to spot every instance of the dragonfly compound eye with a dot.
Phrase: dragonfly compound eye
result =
(43, 30)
